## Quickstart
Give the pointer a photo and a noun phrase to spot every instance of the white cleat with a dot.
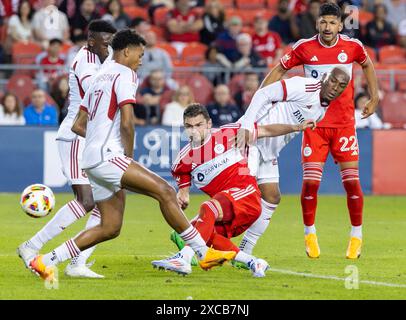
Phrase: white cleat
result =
(258, 268)
(81, 271)
(26, 253)
(176, 264)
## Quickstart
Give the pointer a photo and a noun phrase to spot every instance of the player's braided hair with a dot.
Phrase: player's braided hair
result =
(125, 38)
(194, 110)
(100, 25)
(330, 9)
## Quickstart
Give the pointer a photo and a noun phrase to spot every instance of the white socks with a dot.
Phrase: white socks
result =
(254, 232)
(193, 239)
(244, 257)
(64, 252)
(65, 216)
(309, 229)
(187, 254)
(93, 221)
(356, 232)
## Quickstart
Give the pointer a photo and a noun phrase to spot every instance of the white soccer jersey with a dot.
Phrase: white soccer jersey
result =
(290, 101)
(85, 65)
(113, 86)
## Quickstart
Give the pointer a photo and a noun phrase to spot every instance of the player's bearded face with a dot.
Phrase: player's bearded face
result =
(197, 128)
(329, 27)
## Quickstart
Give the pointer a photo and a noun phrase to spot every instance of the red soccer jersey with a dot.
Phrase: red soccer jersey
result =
(51, 73)
(215, 166)
(318, 59)
(266, 45)
(191, 16)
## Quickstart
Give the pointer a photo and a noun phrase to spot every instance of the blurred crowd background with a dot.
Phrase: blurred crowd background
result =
(215, 52)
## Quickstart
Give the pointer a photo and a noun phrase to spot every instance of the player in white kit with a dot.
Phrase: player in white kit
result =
(289, 101)
(106, 119)
(86, 64)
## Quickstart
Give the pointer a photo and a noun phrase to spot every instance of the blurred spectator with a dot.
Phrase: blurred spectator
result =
(243, 97)
(39, 112)
(69, 7)
(79, 42)
(101, 7)
(307, 20)
(116, 15)
(19, 25)
(140, 26)
(52, 57)
(213, 58)
(60, 92)
(284, 23)
(50, 23)
(298, 6)
(184, 23)
(372, 122)
(8, 8)
(247, 58)
(226, 41)
(81, 21)
(266, 43)
(402, 33)
(10, 111)
(154, 58)
(213, 21)
(151, 95)
(173, 113)
(396, 11)
(379, 31)
(222, 111)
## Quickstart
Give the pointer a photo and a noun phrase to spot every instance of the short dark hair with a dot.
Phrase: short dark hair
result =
(330, 9)
(100, 25)
(136, 22)
(55, 40)
(125, 38)
(194, 110)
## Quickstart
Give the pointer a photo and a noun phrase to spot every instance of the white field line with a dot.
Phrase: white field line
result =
(283, 271)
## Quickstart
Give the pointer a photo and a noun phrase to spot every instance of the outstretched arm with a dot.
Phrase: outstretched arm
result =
(274, 130)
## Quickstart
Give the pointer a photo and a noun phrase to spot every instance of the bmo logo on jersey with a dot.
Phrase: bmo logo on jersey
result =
(314, 74)
(200, 177)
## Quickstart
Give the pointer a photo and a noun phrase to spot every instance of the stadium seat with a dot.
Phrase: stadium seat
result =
(236, 83)
(394, 109)
(134, 12)
(364, 17)
(392, 54)
(227, 3)
(160, 33)
(272, 4)
(128, 3)
(161, 16)
(194, 52)
(248, 16)
(201, 87)
(21, 85)
(250, 4)
(168, 48)
(371, 53)
(65, 47)
(25, 52)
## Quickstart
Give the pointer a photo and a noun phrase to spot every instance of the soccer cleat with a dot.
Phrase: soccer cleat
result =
(239, 265)
(26, 253)
(312, 247)
(176, 264)
(81, 271)
(215, 258)
(180, 243)
(258, 267)
(45, 272)
(354, 248)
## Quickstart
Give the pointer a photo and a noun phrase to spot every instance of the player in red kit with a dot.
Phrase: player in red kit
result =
(335, 133)
(217, 167)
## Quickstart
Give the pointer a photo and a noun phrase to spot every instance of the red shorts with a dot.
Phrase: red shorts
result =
(341, 142)
(245, 205)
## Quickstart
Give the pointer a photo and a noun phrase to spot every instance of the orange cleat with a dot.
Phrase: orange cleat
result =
(354, 248)
(215, 258)
(312, 246)
(45, 272)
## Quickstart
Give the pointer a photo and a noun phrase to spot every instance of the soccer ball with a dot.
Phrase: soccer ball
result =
(37, 200)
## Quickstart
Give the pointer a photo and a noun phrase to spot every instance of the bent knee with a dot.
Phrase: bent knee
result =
(272, 197)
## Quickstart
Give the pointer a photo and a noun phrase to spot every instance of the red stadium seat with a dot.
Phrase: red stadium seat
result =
(128, 3)
(161, 16)
(371, 53)
(134, 12)
(194, 52)
(21, 85)
(394, 109)
(392, 54)
(227, 3)
(168, 48)
(25, 52)
(248, 16)
(65, 47)
(236, 83)
(364, 17)
(201, 87)
(250, 4)
(160, 33)
(272, 4)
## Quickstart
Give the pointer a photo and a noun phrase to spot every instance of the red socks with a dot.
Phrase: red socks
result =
(312, 173)
(355, 198)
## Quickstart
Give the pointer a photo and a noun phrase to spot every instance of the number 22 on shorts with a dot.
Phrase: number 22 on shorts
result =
(346, 141)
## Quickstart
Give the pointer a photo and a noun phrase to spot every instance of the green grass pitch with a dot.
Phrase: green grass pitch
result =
(125, 261)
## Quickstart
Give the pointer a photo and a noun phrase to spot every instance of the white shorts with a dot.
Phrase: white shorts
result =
(105, 179)
(70, 153)
(266, 171)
